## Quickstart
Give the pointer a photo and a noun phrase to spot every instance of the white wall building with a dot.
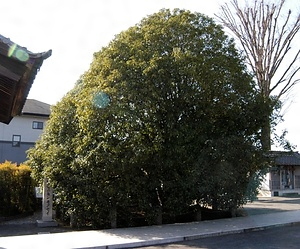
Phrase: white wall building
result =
(23, 131)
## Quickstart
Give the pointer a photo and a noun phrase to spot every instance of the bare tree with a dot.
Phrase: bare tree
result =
(266, 38)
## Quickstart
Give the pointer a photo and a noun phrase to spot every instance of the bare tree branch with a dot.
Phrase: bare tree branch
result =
(266, 39)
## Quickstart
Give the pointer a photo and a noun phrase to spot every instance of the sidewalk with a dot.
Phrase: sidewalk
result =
(152, 235)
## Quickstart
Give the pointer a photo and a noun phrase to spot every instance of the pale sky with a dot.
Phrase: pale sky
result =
(75, 29)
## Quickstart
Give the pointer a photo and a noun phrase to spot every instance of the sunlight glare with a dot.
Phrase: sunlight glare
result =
(18, 53)
(101, 100)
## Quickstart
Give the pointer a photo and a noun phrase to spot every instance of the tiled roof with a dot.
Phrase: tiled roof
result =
(35, 107)
(18, 68)
(285, 158)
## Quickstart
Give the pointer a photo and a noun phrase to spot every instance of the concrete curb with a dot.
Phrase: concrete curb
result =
(151, 236)
(158, 242)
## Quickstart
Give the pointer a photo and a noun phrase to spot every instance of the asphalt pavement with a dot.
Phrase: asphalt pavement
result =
(275, 238)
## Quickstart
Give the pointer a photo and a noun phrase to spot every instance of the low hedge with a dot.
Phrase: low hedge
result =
(16, 189)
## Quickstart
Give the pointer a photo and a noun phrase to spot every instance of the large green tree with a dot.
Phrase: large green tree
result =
(167, 116)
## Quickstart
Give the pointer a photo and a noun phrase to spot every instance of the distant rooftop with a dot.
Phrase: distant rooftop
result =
(35, 107)
(286, 158)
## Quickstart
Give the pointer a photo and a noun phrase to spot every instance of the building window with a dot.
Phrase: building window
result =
(37, 125)
(16, 140)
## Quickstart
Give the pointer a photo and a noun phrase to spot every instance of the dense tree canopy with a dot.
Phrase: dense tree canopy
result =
(167, 116)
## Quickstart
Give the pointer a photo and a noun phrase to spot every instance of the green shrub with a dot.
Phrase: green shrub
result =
(16, 189)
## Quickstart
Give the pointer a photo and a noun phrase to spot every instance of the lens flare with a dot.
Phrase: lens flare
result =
(18, 53)
(12, 50)
(101, 100)
(22, 55)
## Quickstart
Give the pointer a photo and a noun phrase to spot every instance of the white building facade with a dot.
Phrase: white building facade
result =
(23, 131)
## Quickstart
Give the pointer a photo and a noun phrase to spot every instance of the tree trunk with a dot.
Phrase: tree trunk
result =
(74, 221)
(233, 211)
(266, 135)
(214, 204)
(198, 215)
(113, 216)
(158, 220)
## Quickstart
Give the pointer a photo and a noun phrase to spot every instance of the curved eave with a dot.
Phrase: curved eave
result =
(34, 64)
(16, 77)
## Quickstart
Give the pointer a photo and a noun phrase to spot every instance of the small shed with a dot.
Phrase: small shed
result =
(285, 174)
(18, 68)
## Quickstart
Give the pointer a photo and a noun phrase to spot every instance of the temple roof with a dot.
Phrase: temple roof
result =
(286, 158)
(18, 68)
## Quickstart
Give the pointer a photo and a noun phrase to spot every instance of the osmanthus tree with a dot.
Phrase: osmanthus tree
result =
(167, 116)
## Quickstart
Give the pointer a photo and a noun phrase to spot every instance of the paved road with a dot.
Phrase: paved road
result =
(274, 238)
(266, 205)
